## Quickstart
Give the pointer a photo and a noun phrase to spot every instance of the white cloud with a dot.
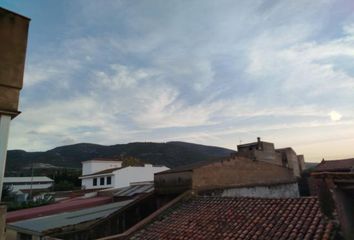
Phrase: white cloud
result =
(123, 77)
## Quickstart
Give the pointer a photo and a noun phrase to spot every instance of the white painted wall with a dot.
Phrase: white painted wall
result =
(4, 136)
(87, 183)
(92, 166)
(123, 177)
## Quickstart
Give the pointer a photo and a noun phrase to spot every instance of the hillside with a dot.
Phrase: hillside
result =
(170, 154)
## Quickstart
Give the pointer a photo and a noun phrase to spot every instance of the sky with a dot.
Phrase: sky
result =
(211, 72)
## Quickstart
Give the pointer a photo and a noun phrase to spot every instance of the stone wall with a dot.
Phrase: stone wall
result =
(239, 171)
(173, 182)
(287, 190)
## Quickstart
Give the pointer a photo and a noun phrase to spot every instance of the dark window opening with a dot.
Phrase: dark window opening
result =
(109, 180)
(24, 236)
(284, 161)
(95, 182)
(102, 181)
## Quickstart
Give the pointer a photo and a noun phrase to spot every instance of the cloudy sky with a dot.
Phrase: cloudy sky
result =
(210, 72)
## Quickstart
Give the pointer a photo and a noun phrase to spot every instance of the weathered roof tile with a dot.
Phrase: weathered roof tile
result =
(241, 218)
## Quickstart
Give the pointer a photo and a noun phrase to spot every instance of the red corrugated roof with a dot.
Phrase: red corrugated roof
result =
(65, 206)
(240, 218)
(335, 165)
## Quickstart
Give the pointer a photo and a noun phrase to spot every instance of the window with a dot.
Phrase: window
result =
(109, 180)
(102, 181)
(94, 182)
(24, 236)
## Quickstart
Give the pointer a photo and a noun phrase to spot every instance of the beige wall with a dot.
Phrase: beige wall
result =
(301, 160)
(11, 234)
(3, 210)
(171, 183)
(13, 35)
(293, 161)
(239, 171)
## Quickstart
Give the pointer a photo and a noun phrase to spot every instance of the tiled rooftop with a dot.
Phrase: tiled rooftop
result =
(241, 218)
(335, 165)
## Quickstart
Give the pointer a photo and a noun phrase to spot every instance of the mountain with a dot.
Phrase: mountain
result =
(170, 154)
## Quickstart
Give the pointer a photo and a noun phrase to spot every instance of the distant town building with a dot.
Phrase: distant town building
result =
(102, 173)
(27, 183)
(236, 172)
(340, 165)
(336, 195)
(329, 166)
(266, 152)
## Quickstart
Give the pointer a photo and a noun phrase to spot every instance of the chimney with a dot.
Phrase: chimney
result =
(259, 145)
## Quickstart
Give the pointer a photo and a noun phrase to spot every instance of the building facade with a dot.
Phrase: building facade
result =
(27, 183)
(233, 172)
(110, 174)
(266, 152)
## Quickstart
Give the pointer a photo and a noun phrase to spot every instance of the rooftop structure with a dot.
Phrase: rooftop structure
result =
(234, 172)
(336, 193)
(340, 165)
(239, 218)
(68, 221)
(111, 174)
(99, 164)
(135, 189)
(266, 152)
(24, 183)
(64, 206)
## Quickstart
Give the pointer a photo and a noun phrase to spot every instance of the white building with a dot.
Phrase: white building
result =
(24, 183)
(110, 174)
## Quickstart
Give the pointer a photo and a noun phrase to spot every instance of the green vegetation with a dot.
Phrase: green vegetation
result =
(131, 161)
(66, 179)
(6, 193)
(13, 205)
(170, 154)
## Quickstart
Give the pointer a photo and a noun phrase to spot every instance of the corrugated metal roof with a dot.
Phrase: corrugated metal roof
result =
(68, 205)
(40, 225)
(133, 190)
(27, 179)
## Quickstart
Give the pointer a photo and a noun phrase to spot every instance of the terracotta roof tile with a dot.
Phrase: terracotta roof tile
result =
(335, 165)
(241, 218)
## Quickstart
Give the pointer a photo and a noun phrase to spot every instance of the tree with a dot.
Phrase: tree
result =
(64, 186)
(131, 161)
(7, 193)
